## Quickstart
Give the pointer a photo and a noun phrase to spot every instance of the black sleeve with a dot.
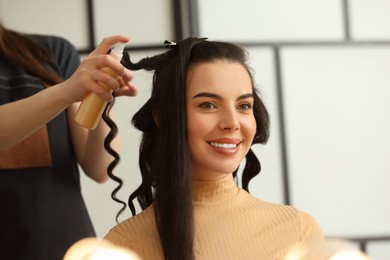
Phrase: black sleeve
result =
(65, 54)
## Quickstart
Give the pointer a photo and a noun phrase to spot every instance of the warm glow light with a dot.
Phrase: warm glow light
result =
(330, 249)
(115, 254)
(93, 248)
(349, 255)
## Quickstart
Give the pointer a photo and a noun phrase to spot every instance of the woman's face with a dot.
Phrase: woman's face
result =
(220, 120)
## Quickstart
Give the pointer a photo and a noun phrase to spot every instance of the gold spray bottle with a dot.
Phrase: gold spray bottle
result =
(92, 106)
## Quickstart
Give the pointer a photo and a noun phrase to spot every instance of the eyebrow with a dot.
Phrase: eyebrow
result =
(216, 96)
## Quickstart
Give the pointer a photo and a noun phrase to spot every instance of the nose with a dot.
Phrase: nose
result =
(229, 120)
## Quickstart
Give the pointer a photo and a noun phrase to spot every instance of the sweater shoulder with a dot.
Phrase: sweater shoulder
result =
(135, 222)
(309, 227)
(138, 234)
(133, 227)
(248, 200)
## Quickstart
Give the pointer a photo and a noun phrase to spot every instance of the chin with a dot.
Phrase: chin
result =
(226, 171)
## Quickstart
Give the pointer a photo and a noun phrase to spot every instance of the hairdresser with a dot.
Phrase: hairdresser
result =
(41, 146)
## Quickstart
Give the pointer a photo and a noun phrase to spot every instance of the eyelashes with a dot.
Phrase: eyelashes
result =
(208, 105)
(245, 106)
(211, 106)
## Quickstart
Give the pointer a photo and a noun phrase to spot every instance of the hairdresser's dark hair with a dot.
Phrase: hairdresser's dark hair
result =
(22, 51)
(164, 157)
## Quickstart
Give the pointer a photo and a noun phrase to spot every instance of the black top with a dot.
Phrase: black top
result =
(42, 209)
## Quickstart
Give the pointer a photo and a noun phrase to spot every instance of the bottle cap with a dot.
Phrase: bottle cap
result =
(117, 50)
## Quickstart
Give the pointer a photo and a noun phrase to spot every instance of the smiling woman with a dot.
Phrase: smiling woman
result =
(199, 124)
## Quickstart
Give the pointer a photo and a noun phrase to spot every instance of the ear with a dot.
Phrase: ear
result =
(156, 118)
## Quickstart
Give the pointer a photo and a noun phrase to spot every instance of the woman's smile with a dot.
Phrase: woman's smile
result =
(225, 146)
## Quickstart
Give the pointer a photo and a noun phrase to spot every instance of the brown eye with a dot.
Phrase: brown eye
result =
(245, 106)
(207, 105)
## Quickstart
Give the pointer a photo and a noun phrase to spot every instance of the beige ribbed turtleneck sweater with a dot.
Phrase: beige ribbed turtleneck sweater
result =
(229, 224)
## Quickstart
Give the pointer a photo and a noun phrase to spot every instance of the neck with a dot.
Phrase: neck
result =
(213, 191)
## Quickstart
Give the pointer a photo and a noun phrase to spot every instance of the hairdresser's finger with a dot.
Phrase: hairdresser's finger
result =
(128, 81)
(106, 79)
(132, 90)
(127, 75)
(107, 42)
(97, 88)
(100, 62)
(114, 65)
(127, 90)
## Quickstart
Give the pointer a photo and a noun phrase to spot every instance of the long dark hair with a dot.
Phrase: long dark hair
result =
(164, 158)
(22, 51)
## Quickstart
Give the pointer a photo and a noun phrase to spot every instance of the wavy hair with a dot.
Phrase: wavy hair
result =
(164, 157)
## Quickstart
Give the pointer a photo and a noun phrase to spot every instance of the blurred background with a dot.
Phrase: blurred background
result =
(323, 70)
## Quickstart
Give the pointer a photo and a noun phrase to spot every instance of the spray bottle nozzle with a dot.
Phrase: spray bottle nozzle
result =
(117, 49)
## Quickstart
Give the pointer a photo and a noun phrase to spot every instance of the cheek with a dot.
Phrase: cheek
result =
(250, 129)
(198, 127)
(192, 129)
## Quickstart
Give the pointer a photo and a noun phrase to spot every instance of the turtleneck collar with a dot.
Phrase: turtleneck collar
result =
(214, 191)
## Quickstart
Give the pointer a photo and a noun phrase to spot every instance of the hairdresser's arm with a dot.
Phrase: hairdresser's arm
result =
(21, 118)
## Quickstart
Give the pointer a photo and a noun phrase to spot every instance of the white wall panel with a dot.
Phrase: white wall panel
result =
(370, 19)
(56, 17)
(145, 22)
(271, 20)
(338, 130)
(379, 250)
(268, 184)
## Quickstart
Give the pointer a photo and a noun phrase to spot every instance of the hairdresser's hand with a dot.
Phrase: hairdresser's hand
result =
(90, 75)
(126, 87)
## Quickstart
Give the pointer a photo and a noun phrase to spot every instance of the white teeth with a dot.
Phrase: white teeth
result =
(225, 146)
